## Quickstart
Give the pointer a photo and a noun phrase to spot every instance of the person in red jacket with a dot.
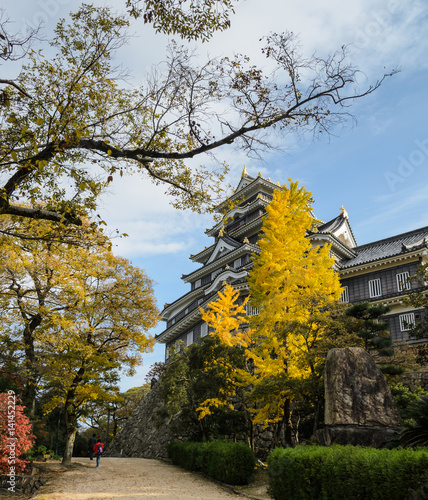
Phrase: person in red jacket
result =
(98, 450)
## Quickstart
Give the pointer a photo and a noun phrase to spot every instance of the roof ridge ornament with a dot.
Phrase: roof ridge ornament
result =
(244, 172)
(344, 212)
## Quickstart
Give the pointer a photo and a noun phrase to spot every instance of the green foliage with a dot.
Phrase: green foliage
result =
(416, 298)
(369, 328)
(231, 463)
(420, 493)
(338, 472)
(188, 455)
(197, 374)
(416, 431)
(190, 19)
(40, 451)
(404, 396)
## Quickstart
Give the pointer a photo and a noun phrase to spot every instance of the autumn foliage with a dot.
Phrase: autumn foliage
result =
(15, 435)
(293, 286)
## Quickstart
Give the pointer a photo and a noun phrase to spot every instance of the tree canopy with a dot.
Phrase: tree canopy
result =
(190, 19)
(69, 124)
(73, 317)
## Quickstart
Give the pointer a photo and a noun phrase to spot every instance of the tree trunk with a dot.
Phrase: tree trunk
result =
(71, 416)
(29, 393)
(288, 441)
(316, 416)
(71, 427)
(69, 444)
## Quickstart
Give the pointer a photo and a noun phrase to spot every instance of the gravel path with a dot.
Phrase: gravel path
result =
(130, 478)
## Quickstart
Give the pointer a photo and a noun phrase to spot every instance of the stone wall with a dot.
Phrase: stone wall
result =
(21, 484)
(146, 433)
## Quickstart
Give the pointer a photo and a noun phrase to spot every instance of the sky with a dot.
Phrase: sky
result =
(377, 167)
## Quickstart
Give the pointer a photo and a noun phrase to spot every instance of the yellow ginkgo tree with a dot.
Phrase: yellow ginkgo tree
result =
(227, 318)
(294, 287)
(290, 280)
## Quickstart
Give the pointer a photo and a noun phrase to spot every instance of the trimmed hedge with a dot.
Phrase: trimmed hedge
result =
(350, 472)
(231, 463)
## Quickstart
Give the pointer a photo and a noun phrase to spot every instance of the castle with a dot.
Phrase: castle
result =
(375, 272)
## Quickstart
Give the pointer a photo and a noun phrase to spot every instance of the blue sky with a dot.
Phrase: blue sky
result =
(377, 168)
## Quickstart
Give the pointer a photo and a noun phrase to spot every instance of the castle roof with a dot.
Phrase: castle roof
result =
(389, 247)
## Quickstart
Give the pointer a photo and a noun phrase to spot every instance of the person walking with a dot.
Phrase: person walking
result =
(91, 444)
(98, 450)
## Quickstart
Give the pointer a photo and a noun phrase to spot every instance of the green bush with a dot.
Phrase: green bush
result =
(349, 472)
(188, 455)
(231, 463)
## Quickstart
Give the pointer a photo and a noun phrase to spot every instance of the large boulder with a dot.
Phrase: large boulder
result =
(359, 407)
(356, 392)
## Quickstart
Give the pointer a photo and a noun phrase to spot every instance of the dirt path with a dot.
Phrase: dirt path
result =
(131, 479)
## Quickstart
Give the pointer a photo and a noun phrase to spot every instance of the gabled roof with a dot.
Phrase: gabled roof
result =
(259, 202)
(389, 247)
(233, 249)
(208, 254)
(171, 309)
(245, 179)
(340, 228)
(223, 245)
(249, 186)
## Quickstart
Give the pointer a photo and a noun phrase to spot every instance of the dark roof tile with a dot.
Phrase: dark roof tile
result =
(389, 247)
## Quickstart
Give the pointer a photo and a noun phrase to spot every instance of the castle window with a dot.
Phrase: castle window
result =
(407, 321)
(375, 289)
(198, 283)
(237, 263)
(251, 311)
(345, 295)
(402, 283)
(204, 330)
(189, 338)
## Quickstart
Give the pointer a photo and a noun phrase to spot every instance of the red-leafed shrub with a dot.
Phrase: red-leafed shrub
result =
(15, 435)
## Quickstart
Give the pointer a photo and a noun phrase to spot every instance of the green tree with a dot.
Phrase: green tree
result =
(106, 417)
(415, 433)
(370, 328)
(67, 121)
(196, 384)
(417, 298)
